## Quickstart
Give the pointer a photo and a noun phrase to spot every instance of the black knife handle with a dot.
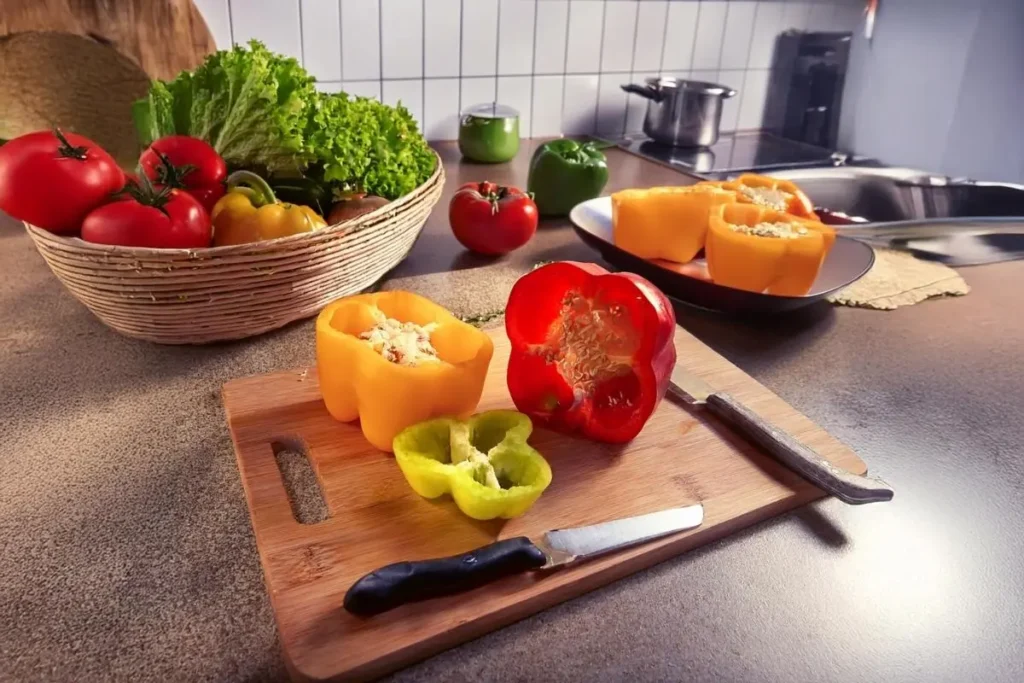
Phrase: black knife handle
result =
(402, 582)
(846, 486)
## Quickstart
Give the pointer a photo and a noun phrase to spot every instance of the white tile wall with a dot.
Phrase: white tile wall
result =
(559, 62)
(515, 37)
(479, 37)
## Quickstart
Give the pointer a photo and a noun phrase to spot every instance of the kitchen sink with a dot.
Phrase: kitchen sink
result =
(953, 220)
(884, 195)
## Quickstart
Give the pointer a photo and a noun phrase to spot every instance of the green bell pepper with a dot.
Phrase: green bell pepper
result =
(564, 173)
(484, 463)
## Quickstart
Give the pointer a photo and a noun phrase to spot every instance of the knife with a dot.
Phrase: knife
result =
(846, 486)
(402, 582)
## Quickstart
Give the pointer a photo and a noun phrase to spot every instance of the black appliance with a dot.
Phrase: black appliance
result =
(805, 93)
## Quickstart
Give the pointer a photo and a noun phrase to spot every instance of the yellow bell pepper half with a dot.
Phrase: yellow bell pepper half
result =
(775, 265)
(771, 193)
(250, 212)
(357, 382)
(484, 463)
(668, 223)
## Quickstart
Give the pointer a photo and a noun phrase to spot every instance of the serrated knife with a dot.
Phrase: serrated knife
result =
(846, 486)
(402, 582)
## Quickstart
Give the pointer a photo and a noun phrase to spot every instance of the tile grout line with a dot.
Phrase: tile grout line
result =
(231, 25)
(533, 66)
(380, 49)
(664, 39)
(725, 27)
(302, 39)
(341, 50)
(621, 72)
(497, 50)
(423, 67)
(600, 63)
(565, 69)
(696, 28)
(462, 23)
(632, 65)
(743, 86)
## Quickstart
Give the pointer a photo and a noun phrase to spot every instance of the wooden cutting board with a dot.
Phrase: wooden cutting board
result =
(681, 457)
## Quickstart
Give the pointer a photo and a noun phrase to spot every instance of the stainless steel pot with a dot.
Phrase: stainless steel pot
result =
(682, 113)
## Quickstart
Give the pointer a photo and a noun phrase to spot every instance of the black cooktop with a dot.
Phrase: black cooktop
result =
(733, 153)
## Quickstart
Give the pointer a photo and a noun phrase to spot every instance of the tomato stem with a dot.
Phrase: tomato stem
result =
(67, 150)
(169, 174)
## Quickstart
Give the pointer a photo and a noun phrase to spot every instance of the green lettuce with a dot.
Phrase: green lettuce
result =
(262, 112)
(361, 144)
(250, 104)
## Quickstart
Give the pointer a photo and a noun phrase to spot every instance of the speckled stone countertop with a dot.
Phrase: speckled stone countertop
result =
(126, 551)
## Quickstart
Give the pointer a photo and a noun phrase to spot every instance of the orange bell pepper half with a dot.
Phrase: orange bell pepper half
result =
(357, 382)
(771, 193)
(668, 223)
(781, 265)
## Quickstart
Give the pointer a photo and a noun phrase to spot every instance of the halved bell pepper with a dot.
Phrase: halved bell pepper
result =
(484, 463)
(250, 212)
(592, 351)
(772, 193)
(357, 382)
(665, 222)
(783, 265)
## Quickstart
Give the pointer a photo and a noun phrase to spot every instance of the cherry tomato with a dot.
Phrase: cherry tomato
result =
(490, 219)
(186, 163)
(164, 218)
(53, 179)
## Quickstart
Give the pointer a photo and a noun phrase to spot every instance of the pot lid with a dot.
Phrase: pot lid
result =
(491, 110)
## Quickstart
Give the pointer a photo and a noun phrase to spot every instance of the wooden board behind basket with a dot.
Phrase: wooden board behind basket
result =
(375, 519)
(195, 296)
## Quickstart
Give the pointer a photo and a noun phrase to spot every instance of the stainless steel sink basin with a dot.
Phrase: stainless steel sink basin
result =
(957, 221)
(902, 194)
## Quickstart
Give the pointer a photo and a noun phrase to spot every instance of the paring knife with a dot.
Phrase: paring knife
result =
(846, 486)
(402, 582)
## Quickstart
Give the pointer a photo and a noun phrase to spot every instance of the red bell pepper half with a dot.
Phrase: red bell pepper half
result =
(592, 351)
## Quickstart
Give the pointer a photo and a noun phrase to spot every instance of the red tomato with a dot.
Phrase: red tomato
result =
(164, 219)
(187, 163)
(592, 351)
(490, 219)
(52, 179)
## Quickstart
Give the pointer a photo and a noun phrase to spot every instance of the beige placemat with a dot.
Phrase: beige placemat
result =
(898, 279)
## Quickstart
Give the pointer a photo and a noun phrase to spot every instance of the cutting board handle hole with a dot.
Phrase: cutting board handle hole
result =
(300, 481)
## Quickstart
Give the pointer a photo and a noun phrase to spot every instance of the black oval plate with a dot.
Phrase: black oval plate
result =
(846, 263)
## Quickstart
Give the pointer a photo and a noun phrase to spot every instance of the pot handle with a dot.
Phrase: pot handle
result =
(728, 93)
(644, 91)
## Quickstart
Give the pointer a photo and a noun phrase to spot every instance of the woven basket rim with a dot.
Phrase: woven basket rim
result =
(348, 226)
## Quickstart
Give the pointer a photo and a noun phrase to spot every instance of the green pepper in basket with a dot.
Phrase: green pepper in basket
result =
(484, 463)
(564, 173)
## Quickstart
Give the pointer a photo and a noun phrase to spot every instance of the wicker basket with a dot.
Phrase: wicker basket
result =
(182, 296)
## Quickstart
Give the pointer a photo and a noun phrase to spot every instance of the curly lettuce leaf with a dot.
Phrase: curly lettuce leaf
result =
(250, 104)
(365, 145)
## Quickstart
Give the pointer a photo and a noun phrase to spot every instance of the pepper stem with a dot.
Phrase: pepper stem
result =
(253, 186)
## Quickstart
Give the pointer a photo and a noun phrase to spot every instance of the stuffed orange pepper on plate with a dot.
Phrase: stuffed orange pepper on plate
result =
(668, 223)
(771, 193)
(757, 249)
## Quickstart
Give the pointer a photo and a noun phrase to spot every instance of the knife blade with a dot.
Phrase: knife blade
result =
(403, 582)
(846, 486)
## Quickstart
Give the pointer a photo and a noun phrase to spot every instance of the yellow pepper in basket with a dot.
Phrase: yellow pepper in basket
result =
(250, 212)
(394, 359)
